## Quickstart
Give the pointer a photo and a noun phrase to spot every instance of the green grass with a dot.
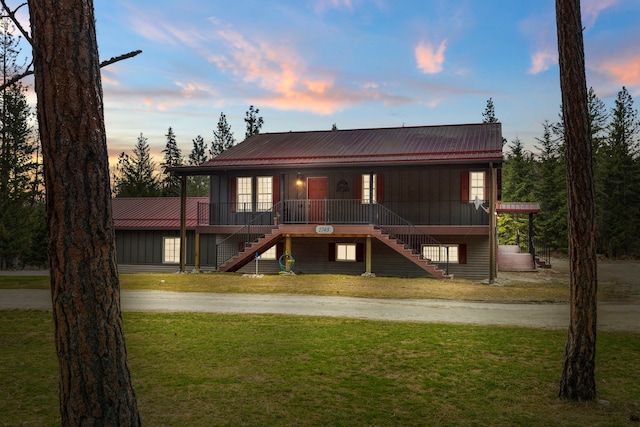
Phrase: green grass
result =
(326, 284)
(202, 370)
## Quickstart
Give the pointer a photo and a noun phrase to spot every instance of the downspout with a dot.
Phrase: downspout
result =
(183, 222)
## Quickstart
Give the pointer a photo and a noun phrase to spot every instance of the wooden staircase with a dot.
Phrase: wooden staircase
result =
(248, 253)
(409, 254)
(511, 259)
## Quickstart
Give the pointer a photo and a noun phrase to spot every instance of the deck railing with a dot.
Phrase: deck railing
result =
(255, 224)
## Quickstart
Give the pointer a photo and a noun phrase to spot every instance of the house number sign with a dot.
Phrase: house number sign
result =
(324, 229)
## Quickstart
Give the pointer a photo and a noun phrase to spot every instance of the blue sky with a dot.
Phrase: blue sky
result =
(307, 64)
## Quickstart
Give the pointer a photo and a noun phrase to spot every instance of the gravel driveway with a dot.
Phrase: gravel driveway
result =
(611, 316)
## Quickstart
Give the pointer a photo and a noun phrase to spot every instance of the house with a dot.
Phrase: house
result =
(148, 233)
(408, 201)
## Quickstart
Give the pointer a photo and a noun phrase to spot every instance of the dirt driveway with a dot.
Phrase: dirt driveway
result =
(620, 278)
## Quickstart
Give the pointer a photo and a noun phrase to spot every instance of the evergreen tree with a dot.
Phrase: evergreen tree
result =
(517, 174)
(17, 166)
(253, 121)
(172, 157)
(620, 181)
(135, 174)
(551, 191)
(223, 138)
(489, 115)
(198, 185)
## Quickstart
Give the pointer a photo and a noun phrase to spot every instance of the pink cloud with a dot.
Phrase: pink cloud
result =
(591, 9)
(281, 72)
(542, 60)
(430, 60)
(625, 71)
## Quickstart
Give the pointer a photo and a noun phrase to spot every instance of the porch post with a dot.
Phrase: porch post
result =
(368, 256)
(183, 222)
(532, 249)
(197, 254)
(492, 223)
(287, 247)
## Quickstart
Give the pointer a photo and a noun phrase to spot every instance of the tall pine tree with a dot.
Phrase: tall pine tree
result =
(253, 121)
(551, 191)
(223, 138)
(135, 174)
(198, 185)
(172, 157)
(18, 194)
(619, 178)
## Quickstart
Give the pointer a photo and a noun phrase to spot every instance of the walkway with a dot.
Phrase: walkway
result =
(611, 316)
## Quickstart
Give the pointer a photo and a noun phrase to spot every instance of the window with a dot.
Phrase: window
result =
(269, 254)
(244, 194)
(438, 253)
(345, 252)
(265, 193)
(171, 250)
(367, 182)
(476, 186)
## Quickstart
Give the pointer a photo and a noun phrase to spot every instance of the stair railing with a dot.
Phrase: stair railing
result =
(407, 234)
(249, 233)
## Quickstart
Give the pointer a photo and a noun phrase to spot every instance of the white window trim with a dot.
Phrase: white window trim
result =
(346, 252)
(478, 189)
(365, 188)
(174, 254)
(431, 252)
(264, 199)
(243, 193)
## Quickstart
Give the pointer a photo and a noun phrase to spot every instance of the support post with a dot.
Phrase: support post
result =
(183, 223)
(368, 256)
(287, 248)
(493, 247)
(197, 251)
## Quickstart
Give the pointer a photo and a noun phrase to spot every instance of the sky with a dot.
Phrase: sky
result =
(307, 64)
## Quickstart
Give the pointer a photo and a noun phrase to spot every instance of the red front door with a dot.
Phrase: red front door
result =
(317, 195)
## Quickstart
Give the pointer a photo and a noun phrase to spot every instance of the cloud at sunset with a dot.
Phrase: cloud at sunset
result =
(624, 70)
(430, 59)
(278, 70)
(591, 9)
(542, 60)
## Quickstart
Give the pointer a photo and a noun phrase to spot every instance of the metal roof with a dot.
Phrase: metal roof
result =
(518, 207)
(154, 213)
(424, 144)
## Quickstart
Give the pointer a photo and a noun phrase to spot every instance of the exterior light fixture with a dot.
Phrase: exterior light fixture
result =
(299, 181)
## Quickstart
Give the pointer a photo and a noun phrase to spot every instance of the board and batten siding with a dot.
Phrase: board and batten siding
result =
(426, 195)
(145, 247)
(312, 257)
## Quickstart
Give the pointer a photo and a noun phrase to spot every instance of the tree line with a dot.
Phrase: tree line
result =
(23, 234)
(135, 174)
(541, 176)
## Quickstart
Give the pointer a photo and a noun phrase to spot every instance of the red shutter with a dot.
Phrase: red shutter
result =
(464, 187)
(357, 187)
(462, 254)
(486, 187)
(233, 197)
(359, 252)
(279, 249)
(380, 188)
(275, 196)
(332, 251)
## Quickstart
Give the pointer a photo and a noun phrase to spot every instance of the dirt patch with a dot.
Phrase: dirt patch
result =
(616, 279)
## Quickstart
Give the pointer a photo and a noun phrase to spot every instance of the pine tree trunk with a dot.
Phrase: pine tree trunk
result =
(578, 368)
(95, 384)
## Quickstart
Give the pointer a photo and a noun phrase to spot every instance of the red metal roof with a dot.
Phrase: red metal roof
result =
(425, 144)
(154, 213)
(518, 207)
